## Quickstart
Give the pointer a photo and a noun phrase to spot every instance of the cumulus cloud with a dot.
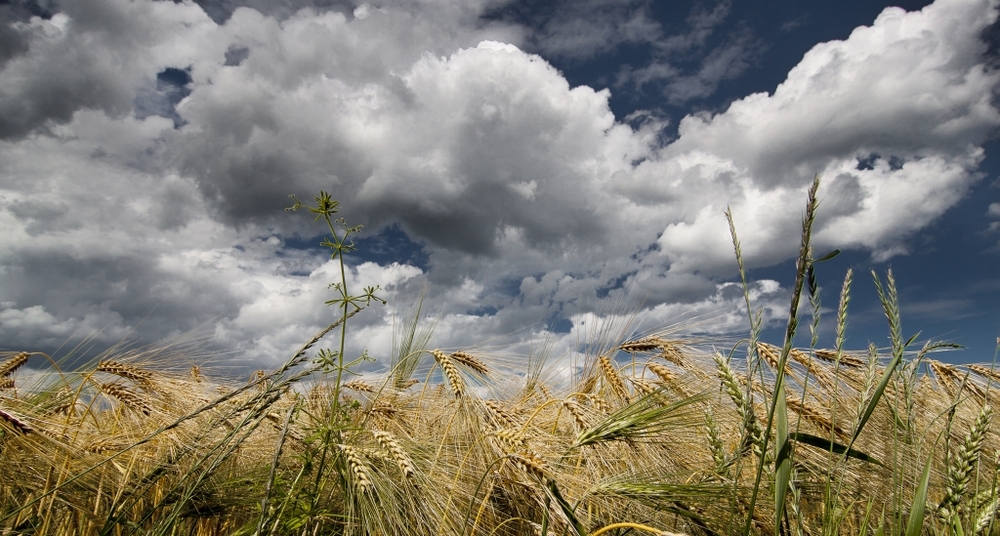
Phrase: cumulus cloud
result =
(148, 149)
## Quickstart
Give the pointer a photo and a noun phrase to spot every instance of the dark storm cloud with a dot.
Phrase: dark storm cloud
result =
(90, 55)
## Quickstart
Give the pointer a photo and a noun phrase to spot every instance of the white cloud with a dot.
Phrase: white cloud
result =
(524, 191)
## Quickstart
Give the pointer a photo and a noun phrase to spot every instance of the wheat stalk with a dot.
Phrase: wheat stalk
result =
(530, 463)
(471, 361)
(127, 371)
(360, 386)
(513, 438)
(613, 378)
(126, 397)
(355, 461)
(985, 372)
(576, 411)
(450, 372)
(663, 373)
(392, 446)
(498, 412)
(830, 356)
(752, 433)
(9, 366)
(960, 469)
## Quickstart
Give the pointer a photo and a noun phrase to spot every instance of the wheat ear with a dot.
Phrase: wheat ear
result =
(450, 372)
(126, 397)
(358, 470)
(962, 465)
(392, 446)
(471, 361)
(127, 371)
(613, 379)
(9, 366)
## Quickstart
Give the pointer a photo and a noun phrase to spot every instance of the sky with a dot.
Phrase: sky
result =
(525, 168)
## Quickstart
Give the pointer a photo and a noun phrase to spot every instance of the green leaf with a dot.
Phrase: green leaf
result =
(566, 509)
(916, 522)
(828, 256)
(832, 446)
(782, 456)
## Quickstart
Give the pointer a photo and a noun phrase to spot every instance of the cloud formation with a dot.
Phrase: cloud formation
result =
(148, 149)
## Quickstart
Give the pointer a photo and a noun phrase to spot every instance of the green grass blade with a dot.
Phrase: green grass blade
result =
(891, 305)
(782, 456)
(916, 522)
(566, 509)
(832, 446)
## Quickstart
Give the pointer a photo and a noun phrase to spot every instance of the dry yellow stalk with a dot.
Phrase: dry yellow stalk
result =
(643, 386)
(644, 344)
(814, 414)
(669, 350)
(356, 463)
(613, 379)
(359, 386)
(392, 446)
(450, 372)
(818, 372)
(9, 366)
(985, 372)
(498, 412)
(511, 437)
(108, 444)
(471, 361)
(771, 354)
(126, 397)
(258, 378)
(127, 371)
(662, 372)
(196, 373)
(6, 383)
(383, 409)
(830, 356)
(598, 403)
(530, 463)
(945, 375)
(577, 413)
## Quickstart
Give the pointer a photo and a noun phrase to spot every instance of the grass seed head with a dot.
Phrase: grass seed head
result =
(126, 397)
(450, 372)
(359, 472)
(10, 365)
(127, 371)
(830, 356)
(359, 386)
(613, 378)
(531, 463)
(392, 446)
(663, 373)
(471, 361)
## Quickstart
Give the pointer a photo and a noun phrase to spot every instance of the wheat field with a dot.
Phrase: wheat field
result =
(650, 433)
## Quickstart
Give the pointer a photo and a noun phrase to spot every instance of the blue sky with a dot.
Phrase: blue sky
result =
(519, 164)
